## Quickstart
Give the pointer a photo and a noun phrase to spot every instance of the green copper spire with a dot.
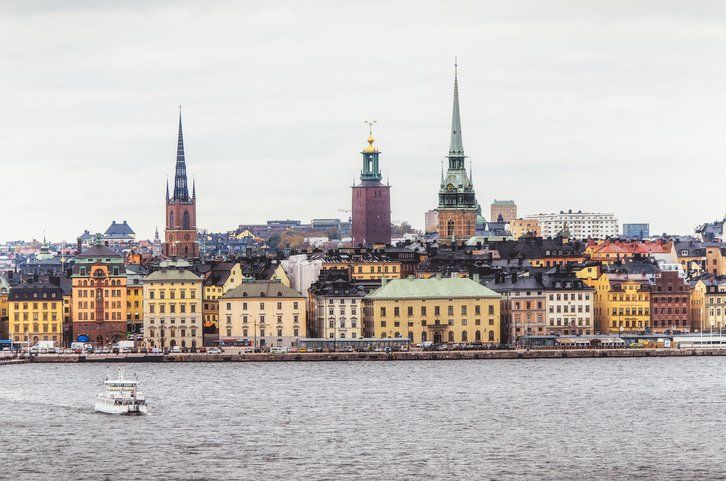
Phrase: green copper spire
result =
(456, 149)
(371, 170)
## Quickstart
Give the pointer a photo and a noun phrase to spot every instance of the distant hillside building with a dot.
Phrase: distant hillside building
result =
(636, 231)
(118, 233)
(577, 225)
(506, 208)
(371, 213)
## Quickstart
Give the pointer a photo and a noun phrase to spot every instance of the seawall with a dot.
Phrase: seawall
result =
(382, 356)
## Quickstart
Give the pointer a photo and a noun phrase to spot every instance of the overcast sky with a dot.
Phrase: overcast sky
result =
(601, 106)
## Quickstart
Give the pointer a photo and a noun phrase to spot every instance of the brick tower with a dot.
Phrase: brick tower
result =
(180, 236)
(457, 201)
(371, 201)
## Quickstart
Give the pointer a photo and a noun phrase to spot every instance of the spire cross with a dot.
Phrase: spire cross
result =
(370, 125)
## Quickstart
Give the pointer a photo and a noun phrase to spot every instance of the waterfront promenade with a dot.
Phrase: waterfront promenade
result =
(372, 356)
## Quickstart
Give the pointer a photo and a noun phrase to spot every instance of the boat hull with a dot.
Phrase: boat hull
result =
(128, 410)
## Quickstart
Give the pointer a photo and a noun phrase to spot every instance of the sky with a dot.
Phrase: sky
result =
(611, 106)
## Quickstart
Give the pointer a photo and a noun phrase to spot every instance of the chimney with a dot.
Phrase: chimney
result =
(384, 281)
(475, 277)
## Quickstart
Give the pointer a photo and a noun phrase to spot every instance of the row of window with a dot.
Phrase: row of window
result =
(91, 316)
(295, 306)
(261, 319)
(571, 309)
(450, 337)
(669, 299)
(173, 308)
(437, 322)
(36, 317)
(628, 311)
(94, 292)
(172, 320)
(45, 305)
(568, 322)
(437, 310)
(172, 294)
(44, 327)
(106, 305)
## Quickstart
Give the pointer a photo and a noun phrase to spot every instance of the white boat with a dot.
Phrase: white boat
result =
(121, 397)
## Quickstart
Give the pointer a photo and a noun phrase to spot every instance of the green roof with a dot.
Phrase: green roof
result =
(433, 288)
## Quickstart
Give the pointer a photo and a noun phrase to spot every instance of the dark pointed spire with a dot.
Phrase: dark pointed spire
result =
(456, 149)
(194, 188)
(181, 191)
(167, 188)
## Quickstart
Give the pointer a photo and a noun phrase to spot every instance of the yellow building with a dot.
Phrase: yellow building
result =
(622, 303)
(522, 227)
(374, 268)
(4, 293)
(219, 279)
(173, 307)
(266, 313)
(134, 305)
(434, 310)
(708, 305)
(35, 313)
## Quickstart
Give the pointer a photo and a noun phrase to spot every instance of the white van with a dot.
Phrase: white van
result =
(278, 350)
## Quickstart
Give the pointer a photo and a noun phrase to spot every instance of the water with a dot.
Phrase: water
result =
(518, 419)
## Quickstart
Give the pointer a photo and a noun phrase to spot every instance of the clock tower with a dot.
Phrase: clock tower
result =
(180, 236)
(457, 201)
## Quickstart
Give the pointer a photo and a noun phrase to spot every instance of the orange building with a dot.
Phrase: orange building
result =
(99, 296)
(611, 251)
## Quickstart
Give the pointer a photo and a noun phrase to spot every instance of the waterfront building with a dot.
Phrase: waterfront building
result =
(219, 278)
(99, 286)
(622, 301)
(636, 231)
(4, 294)
(173, 307)
(708, 304)
(336, 307)
(436, 310)
(523, 310)
(524, 227)
(578, 225)
(371, 212)
(505, 208)
(670, 302)
(35, 312)
(134, 299)
(266, 313)
(570, 304)
(180, 236)
(542, 252)
(457, 208)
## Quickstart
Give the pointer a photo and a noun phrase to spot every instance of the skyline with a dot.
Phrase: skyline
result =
(637, 100)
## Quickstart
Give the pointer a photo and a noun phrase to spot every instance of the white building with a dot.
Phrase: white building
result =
(579, 225)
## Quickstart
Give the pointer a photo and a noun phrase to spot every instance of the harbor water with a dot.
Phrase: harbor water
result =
(651, 418)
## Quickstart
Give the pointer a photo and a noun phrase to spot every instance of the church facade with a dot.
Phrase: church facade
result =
(457, 210)
(180, 236)
(371, 209)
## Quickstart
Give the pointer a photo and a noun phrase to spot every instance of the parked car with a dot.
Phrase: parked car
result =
(247, 350)
(175, 350)
(125, 350)
(214, 350)
(202, 349)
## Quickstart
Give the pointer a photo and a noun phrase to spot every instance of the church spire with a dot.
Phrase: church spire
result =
(371, 170)
(456, 149)
(181, 191)
(194, 188)
(167, 188)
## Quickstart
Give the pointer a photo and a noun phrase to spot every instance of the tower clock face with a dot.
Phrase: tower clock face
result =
(187, 237)
(450, 187)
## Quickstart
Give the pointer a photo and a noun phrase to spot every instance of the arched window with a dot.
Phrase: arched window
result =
(185, 220)
(410, 336)
(477, 335)
(171, 219)
(424, 337)
(491, 336)
(451, 336)
(464, 336)
(450, 227)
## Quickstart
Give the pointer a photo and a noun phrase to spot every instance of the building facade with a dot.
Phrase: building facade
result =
(265, 313)
(337, 307)
(622, 303)
(670, 301)
(636, 231)
(180, 236)
(577, 225)
(99, 296)
(35, 313)
(173, 307)
(506, 208)
(523, 310)
(371, 212)
(523, 227)
(708, 305)
(570, 305)
(457, 208)
(437, 310)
